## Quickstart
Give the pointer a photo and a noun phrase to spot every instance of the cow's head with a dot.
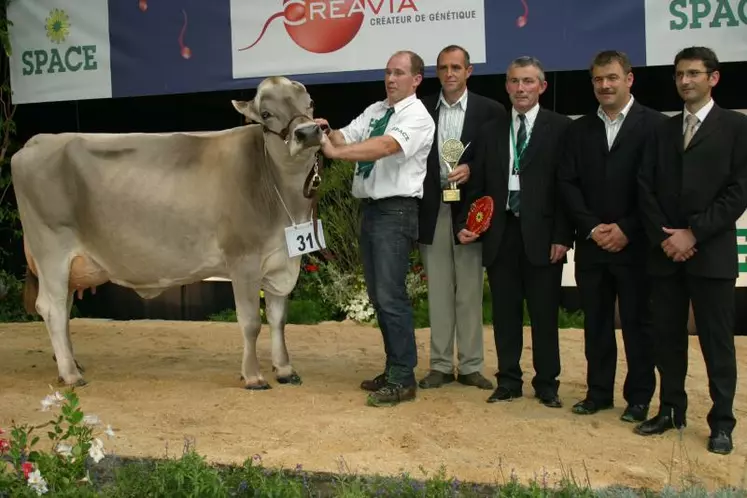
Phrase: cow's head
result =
(284, 107)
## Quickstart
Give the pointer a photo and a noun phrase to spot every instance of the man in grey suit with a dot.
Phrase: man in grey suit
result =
(455, 271)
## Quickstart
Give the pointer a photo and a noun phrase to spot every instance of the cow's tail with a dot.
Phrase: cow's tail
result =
(30, 291)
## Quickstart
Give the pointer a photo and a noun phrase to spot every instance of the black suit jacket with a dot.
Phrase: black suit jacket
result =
(703, 188)
(599, 184)
(479, 110)
(543, 220)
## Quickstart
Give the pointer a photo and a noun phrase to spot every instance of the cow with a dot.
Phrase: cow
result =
(149, 211)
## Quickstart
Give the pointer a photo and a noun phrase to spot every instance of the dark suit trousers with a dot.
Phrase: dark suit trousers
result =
(598, 287)
(714, 310)
(513, 278)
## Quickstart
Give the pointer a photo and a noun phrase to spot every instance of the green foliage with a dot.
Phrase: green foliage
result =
(340, 213)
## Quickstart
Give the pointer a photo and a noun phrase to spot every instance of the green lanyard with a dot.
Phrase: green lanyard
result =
(518, 154)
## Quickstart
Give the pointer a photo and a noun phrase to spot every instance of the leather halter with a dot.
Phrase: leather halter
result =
(312, 182)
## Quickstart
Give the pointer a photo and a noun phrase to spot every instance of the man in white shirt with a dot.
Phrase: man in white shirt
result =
(390, 142)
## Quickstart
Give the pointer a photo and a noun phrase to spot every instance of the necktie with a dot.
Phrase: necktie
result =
(691, 120)
(365, 167)
(521, 138)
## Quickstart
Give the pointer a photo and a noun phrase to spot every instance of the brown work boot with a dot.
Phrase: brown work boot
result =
(391, 394)
(374, 384)
(435, 379)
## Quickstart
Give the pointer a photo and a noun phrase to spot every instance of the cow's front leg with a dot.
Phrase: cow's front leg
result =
(246, 295)
(277, 308)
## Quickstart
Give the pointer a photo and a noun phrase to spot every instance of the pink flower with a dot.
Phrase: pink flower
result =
(311, 268)
(4, 446)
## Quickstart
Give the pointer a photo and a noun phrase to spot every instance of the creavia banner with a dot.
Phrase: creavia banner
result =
(86, 49)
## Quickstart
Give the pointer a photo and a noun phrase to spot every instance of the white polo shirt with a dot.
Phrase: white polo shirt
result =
(400, 174)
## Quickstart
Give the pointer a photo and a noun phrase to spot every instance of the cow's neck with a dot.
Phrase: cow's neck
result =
(290, 175)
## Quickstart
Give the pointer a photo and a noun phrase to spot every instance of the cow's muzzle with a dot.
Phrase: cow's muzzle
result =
(308, 134)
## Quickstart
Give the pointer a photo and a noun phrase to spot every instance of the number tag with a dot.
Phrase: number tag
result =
(300, 238)
(513, 182)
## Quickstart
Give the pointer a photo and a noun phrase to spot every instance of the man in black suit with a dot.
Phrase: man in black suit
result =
(455, 272)
(525, 247)
(599, 183)
(693, 188)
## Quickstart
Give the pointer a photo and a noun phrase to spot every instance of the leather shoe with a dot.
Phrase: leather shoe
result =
(551, 400)
(721, 443)
(504, 394)
(635, 413)
(374, 384)
(391, 395)
(657, 425)
(475, 379)
(590, 407)
(435, 379)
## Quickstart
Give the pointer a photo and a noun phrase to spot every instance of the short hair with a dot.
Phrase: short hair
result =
(452, 48)
(704, 54)
(526, 61)
(417, 66)
(608, 57)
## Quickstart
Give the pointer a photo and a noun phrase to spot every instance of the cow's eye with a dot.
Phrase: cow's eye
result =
(265, 115)
(311, 104)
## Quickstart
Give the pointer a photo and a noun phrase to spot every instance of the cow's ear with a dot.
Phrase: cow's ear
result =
(248, 109)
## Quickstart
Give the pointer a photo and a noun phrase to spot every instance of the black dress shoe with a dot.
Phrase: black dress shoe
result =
(551, 400)
(504, 394)
(435, 379)
(590, 407)
(657, 425)
(374, 384)
(635, 413)
(475, 379)
(720, 443)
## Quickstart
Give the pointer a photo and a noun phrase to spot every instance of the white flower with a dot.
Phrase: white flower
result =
(97, 450)
(51, 400)
(109, 431)
(64, 449)
(37, 482)
(91, 420)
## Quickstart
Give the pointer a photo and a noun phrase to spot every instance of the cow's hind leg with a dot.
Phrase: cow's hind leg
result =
(277, 308)
(246, 294)
(53, 304)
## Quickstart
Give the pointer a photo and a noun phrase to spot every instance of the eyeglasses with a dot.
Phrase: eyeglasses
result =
(690, 73)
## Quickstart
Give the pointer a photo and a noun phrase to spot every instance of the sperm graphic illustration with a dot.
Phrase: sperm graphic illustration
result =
(522, 20)
(185, 50)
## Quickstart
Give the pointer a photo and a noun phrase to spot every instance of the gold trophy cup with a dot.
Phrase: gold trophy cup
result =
(451, 152)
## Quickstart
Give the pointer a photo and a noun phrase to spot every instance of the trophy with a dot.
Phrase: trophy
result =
(451, 152)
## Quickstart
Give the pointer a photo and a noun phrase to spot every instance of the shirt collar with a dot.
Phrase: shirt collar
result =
(401, 104)
(462, 102)
(702, 113)
(531, 114)
(625, 110)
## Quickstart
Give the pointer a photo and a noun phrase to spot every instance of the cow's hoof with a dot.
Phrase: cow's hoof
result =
(81, 382)
(260, 386)
(293, 379)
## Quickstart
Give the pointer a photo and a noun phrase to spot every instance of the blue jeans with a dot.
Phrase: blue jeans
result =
(389, 232)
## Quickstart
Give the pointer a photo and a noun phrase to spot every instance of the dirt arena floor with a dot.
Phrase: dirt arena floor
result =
(159, 382)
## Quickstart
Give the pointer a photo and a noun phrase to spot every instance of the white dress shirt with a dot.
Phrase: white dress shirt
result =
(612, 126)
(701, 115)
(450, 124)
(530, 118)
(399, 174)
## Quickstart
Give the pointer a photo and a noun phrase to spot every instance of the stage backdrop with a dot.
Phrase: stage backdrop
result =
(85, 49)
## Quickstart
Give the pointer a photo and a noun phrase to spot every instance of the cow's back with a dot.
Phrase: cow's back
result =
(151, 209)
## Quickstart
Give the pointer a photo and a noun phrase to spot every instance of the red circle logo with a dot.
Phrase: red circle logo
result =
(318, 26)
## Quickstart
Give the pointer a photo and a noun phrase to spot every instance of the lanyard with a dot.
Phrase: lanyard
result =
(520, 153)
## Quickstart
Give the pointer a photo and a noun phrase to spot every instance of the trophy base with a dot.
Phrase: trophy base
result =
(450, 195)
